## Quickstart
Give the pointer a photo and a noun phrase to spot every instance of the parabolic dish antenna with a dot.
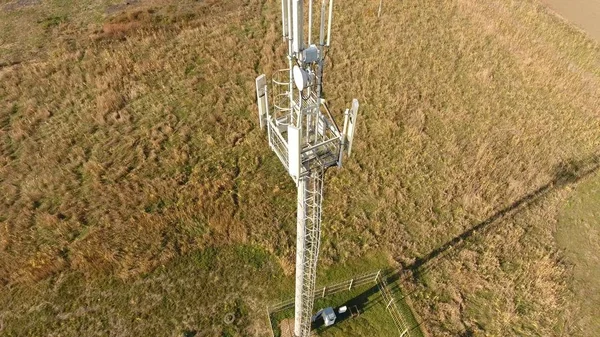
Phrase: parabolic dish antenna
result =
(300, 78)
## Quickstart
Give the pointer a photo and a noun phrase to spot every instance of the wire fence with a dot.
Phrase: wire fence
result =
(397, 311)
(330, 290)
(392, 307)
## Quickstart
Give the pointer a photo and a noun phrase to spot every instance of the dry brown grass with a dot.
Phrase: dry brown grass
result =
(132, 140)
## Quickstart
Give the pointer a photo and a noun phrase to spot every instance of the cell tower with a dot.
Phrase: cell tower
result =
(304, 135)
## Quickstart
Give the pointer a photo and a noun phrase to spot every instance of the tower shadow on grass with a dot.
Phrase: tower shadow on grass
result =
(568, 173)
(565, 174)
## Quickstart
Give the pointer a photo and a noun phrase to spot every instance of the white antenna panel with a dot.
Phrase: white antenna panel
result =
(261, 99)
(284, 18)
(293, 134)
(352, 124)
(329, 22)
(297, 29)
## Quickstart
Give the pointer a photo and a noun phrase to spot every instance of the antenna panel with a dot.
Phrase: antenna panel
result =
(297, 29)
(352, 124)
(329, 22)
(284, 18)
(293, 134)
(261, 99)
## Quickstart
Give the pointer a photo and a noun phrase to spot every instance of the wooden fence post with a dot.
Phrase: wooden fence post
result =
(324, 288)
(351, 281)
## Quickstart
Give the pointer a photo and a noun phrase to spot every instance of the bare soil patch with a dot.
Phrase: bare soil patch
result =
(583, 13)
(287, 327)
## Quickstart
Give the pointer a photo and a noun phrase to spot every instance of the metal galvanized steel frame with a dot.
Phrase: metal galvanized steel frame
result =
(304, 136)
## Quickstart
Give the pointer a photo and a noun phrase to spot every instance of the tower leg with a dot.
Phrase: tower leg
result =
(308, 237)
(300, 248)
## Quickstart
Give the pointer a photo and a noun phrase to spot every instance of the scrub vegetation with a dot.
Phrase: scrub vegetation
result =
(138, 194)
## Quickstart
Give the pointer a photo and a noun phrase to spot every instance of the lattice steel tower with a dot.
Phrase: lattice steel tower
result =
(304, 135)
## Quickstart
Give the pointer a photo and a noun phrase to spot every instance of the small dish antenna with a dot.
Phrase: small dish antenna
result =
(300, 78)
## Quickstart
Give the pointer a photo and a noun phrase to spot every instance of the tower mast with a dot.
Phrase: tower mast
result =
(304, 135)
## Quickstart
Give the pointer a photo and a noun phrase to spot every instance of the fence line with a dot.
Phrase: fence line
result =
(392, 307)
(330, 290)
(376, 277)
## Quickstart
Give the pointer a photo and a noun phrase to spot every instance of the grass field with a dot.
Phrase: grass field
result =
(173, 300)
(138, 195)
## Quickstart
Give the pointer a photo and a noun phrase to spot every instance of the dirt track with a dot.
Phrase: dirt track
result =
(583, 13)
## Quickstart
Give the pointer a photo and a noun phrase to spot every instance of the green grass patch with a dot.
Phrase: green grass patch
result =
(579, 234)
(371, 318)
(191, 293)
(52, 21)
